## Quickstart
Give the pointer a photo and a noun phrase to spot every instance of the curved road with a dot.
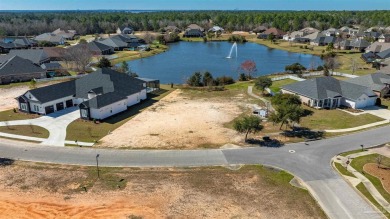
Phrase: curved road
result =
(311, 163)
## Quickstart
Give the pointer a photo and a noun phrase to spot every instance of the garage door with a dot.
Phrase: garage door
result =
(49, 109)
(69, 103)
(60, 106)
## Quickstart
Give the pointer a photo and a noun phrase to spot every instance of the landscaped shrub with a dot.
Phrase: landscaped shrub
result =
(237, 38)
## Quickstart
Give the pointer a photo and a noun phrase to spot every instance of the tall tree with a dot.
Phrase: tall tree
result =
(248, 68)
(263, 82)
(104, 63)
(248, 124)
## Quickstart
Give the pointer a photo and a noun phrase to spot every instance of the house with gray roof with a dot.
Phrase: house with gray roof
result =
(122, 42)
(99, 95)
(97, 48)
(328, 92)
(378, 47)
(384, 38)
(194, 30)
(66, 34)
(377, 82)
(51, 37)
(124, 30)
(17, 69)
(37, 56)
(384, 54)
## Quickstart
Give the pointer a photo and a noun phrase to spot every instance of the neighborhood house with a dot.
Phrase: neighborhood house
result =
(328, 92)
(99, 95)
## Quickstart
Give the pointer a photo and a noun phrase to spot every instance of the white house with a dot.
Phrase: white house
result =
(328, 92)
(99, 95)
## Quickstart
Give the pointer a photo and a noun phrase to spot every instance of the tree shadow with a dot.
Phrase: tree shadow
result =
(6, 162)
(302, 132)
(265, 142)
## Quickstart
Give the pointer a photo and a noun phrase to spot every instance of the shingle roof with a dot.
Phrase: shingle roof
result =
(24, 42)
(104, 100)
(7, 45)
(375, 81)
(54, 92)
(102, 81)
(274, 31)
(194, 27)
(360, 43)
(17, 65)
(35, 55)
(384, 54)
(328, 87)
(50, 37)
(52, 65)
(378, 47)
(98, 47)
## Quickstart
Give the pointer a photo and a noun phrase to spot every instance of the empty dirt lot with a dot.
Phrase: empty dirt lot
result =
(30, 190)
(182, 120)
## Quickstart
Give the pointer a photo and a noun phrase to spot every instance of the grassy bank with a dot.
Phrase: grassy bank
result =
(133, 55)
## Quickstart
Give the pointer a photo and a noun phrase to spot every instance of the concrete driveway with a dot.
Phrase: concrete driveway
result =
(56, 123)
(377, 111)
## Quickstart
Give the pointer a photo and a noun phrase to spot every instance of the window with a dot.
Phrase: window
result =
(36, 108)
(84, 113)
(23, 106)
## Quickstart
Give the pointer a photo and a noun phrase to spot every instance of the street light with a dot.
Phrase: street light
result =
(97, 165)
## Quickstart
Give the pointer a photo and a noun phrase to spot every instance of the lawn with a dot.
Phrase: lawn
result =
(10, 115)
(342, 170)
(88, 131)
(345, 154)
(26, 130)
(368, 195)
(335, 119)
(276, 85)
(132, 55)
(358, 164)
(343, 57)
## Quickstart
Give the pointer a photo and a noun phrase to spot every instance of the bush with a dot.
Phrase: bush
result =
(242, 77)
(224, 80)
(237, 38)
(320, 68)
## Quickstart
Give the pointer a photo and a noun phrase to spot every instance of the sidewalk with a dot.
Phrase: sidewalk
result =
(35, 139)
(367, 183)
(358, 127)
(267, 103)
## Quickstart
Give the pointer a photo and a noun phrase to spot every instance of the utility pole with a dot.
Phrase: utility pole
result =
(97, 165)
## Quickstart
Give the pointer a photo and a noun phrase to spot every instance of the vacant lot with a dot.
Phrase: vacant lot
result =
(183, 119)
(37, 190)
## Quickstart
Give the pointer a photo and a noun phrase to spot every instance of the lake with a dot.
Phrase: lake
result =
(185, 58)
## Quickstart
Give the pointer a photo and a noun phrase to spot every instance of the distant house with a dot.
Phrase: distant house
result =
(125, 30)
(259, 29)
(37, 56)
(51, 37)
(6, 47)
(384, 38)
(66, 34)
(373, 35)
(51, 66)
(171, 29)
(378, 47)
(216, 29)
(309, 30)
(328, 92)
(331, 32)
(97, 48)
(17, 69)
(25, 42)
(369, 57)
(278, 34)
(123, 42)
(323, 40)
(378, 82)
(194, 30)
(384, 54)
(359, 44)
(311, 37)
(99, 95)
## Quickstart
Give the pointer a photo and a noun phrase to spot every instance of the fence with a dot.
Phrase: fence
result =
(59, 78)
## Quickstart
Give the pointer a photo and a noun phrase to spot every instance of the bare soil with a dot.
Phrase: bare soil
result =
(178, 121)
(41, 191)
(8, 95)
(381, 173)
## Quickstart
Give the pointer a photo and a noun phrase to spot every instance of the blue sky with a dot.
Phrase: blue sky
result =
(195, 4)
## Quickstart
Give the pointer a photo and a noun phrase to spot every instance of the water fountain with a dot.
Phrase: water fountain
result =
(231, 51)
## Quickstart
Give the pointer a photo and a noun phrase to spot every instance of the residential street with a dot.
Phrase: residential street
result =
(309, 162)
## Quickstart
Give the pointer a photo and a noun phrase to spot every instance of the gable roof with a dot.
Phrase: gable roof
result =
(35, 55)
(17, 65)
(378, 47)
(98, 47)
(376, 81)
(359, 43)
(274, 31)
(194, 27)
(24, 41)
(54, 92)
(328, 87)
(103, 100)
(384, 54)
(50, 37)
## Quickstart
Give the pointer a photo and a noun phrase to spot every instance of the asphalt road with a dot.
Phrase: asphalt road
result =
(311, 163)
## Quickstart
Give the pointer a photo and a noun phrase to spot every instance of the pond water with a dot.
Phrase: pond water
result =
(185, 58)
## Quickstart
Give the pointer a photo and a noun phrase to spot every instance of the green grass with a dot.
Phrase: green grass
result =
(132, 55)
(26, 130)
(88, 131)
(352, 152)
(240, 85)
(358, 164)
(367, 194)
(335, 119)
(342, 170)
(10, 115)
(276, 85)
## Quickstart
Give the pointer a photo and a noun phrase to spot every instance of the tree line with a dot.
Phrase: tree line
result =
(91, 22)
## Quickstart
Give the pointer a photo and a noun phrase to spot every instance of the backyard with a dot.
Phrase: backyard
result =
(46, 191)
